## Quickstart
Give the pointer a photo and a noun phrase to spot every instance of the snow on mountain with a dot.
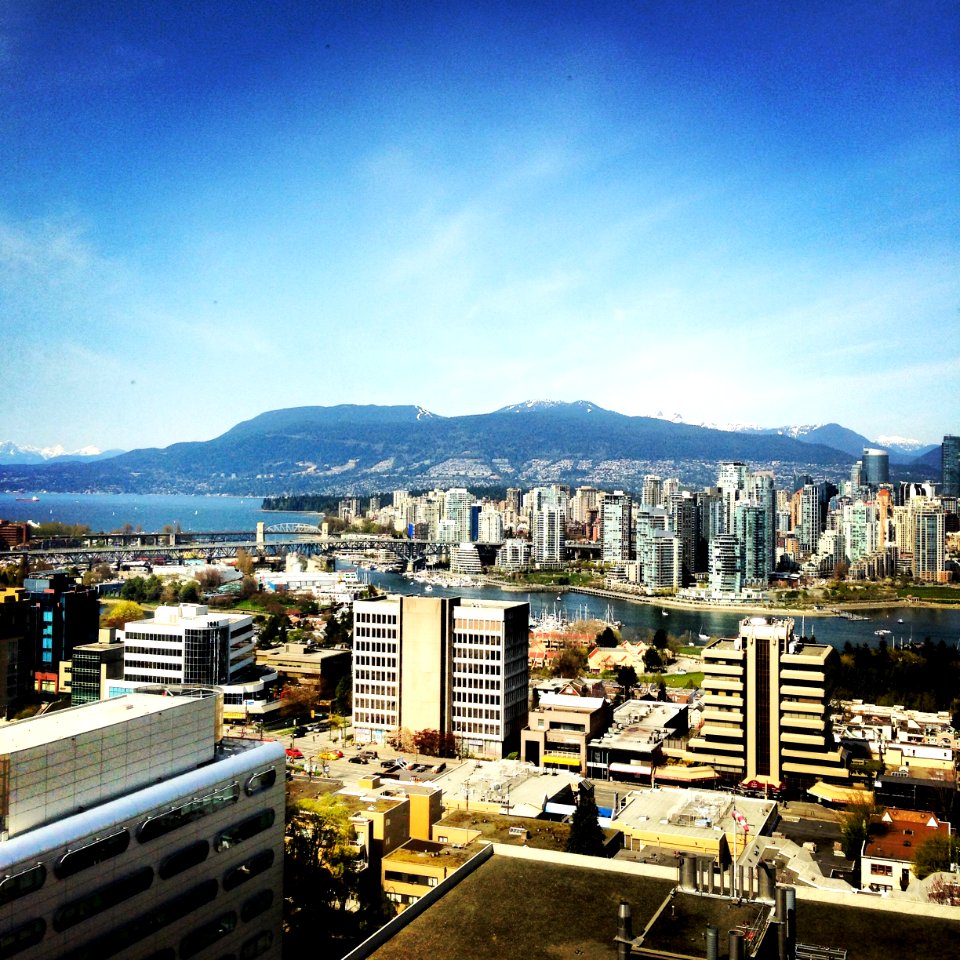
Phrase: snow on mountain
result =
(11, 452)
(904, 444)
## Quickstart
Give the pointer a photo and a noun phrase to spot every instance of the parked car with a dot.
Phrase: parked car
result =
(331, 755)
(294, 754)
(358, 760)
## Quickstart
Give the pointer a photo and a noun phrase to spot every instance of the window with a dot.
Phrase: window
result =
(103, 898)
(244, 830)
(20, 884)
(881, 870)
(245, 871)
(257, 945)
(263, 780)
(27, 935)
(91, 854)
(256, 905)
(165, 823)
(208, 934)
(184, 859)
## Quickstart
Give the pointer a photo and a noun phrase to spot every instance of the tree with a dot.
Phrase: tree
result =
(607, 637)
(571, 660)
(626, 676)
(855, 824)
(660, 639)
(121, 613)
(586, 836)
(298, 700)
(934, 854)
(244, 562)
(652, 659)
(343, 695)
(319, 869)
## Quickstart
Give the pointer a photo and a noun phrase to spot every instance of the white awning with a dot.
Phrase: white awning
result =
(634, 768)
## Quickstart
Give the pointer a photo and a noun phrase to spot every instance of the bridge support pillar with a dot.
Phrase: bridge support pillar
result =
(260, 535)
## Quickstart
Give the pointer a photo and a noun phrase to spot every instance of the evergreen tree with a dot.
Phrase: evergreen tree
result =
(586, 837)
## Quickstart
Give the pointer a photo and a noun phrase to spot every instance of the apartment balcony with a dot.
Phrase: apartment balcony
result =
(789, 690)
(805, 723)
(723, 716)
(804, 676)
(720, 683)
(721, 701)
(714, 669)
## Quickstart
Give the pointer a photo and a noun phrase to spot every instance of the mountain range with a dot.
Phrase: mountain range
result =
(12, 453)
(360, 449)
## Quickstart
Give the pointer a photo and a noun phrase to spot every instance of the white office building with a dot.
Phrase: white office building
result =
(132, 828)
(187, 644)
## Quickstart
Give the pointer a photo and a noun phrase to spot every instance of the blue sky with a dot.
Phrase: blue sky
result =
(738, 212)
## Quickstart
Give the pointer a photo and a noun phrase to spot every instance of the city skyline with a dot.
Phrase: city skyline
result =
(211, 216)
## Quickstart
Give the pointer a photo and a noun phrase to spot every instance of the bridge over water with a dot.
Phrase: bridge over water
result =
(267, 541)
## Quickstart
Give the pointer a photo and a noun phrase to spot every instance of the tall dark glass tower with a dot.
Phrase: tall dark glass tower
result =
(950, 463)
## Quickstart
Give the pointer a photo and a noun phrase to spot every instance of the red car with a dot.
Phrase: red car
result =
(294, 754)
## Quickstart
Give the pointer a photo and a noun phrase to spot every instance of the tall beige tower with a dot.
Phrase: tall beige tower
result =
(765, 717)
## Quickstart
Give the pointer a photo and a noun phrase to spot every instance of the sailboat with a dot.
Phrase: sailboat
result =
(703, 636)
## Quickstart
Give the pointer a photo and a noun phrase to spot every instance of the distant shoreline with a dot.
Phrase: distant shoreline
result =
(746, 608)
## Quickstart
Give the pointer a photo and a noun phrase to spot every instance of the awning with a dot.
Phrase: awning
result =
(687, 774)
(635, 768)
(834, 794)
(569, 761)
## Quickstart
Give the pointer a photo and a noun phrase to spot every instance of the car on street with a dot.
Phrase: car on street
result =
(331, 755)
(360, 759)
(294, 754)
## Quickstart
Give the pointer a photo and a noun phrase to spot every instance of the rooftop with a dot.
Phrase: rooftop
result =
(73, 721)
(435, 854)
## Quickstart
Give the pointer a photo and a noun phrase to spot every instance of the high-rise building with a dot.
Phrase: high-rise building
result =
(132, 828)
(16, 650)
(929, 544)
(490, 525)
(457, 504)
(617, 527)
(683, 520)
(950, 466)
(709, 525)
(766, 711)
(548, 532)
(876, 467)
(658, 554)
(63, 615)
(751, 528)
(732, 483)
(812, 515)
(448, 664)
(651, 493)
(726, 564)
(548, 525)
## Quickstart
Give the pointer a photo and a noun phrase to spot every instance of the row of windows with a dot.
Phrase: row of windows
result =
(381, 633)
(363, 644)
(478, 713)
(376, 618)
(398, 876)
(488, 698)
(14, 886)
(112, 894)
(155, 663)
(156, 649)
